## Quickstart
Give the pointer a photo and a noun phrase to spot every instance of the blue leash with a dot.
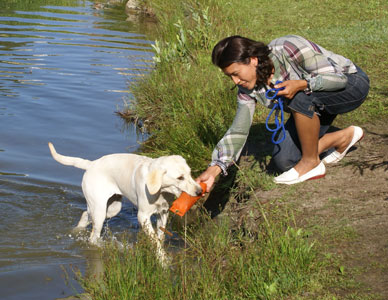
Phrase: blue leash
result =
(278, 106)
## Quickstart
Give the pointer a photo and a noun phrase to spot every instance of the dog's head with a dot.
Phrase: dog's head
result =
(171, 174)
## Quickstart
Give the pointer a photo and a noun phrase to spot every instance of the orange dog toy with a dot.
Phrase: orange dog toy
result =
(184, 202)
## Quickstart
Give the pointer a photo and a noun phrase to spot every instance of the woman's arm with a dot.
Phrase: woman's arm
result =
(317, 64)
(229, 148)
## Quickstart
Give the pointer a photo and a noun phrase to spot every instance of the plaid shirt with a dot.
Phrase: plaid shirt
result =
(294, 58)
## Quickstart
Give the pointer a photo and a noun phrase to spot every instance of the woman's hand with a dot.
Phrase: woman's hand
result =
(209, 176)
(291, 87)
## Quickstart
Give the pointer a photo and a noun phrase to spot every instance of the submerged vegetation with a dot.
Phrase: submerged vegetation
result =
(186, 104)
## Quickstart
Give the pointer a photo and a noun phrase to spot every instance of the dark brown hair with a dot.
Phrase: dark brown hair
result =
(238, 49)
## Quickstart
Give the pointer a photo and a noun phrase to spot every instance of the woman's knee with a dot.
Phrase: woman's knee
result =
(285, 159)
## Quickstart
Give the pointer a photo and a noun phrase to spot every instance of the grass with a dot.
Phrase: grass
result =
(186, 105)
(217, 264)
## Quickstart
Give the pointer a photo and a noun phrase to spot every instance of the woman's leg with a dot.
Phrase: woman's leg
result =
(308, 134)
(302, 145)
(339, 140)
(311, 146)
(289, 152)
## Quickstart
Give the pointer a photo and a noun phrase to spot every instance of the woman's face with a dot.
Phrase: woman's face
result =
(243, 74)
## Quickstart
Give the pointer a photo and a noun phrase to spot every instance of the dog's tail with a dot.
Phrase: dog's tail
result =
(68, 160)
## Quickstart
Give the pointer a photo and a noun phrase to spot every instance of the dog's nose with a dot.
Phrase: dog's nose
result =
(199, 191)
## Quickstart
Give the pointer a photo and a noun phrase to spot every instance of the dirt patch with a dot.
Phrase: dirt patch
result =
(347, 211)
(351, 204)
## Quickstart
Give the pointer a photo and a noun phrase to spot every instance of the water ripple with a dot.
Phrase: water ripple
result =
(64, 70)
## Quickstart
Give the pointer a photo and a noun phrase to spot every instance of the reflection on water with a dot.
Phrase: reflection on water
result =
(64, 71)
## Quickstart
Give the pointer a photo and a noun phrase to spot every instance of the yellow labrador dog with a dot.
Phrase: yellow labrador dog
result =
(145, 181)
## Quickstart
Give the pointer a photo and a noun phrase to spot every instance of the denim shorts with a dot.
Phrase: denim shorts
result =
(335, 102)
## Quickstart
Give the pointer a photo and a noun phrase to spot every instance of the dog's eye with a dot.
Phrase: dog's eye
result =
(181, 177)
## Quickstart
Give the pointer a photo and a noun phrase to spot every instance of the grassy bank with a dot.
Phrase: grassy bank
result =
(187, 103)
(255, 251)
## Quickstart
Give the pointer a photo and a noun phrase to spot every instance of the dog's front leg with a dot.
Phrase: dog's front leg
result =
(161, 222)
(83, 222)
(145, 221)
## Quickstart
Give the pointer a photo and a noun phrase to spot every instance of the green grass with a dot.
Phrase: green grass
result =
(217, 264)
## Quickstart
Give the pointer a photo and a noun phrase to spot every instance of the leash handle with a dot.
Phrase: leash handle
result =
(275, 92)
(272, 94)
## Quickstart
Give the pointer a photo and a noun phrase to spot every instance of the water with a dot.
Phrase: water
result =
(65, 68)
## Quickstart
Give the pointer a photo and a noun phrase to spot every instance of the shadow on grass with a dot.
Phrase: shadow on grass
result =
(260, 147)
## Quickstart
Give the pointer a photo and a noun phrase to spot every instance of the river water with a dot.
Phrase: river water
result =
(65, 67)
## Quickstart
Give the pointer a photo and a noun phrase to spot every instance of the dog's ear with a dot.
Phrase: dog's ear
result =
(154, 181)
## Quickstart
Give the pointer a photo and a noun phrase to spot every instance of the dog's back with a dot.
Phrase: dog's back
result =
(117, 169)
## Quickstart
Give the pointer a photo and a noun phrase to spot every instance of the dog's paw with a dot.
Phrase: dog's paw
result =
(164, 259)
(77, 230)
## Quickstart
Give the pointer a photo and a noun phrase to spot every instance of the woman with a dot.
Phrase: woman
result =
(317, 84)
